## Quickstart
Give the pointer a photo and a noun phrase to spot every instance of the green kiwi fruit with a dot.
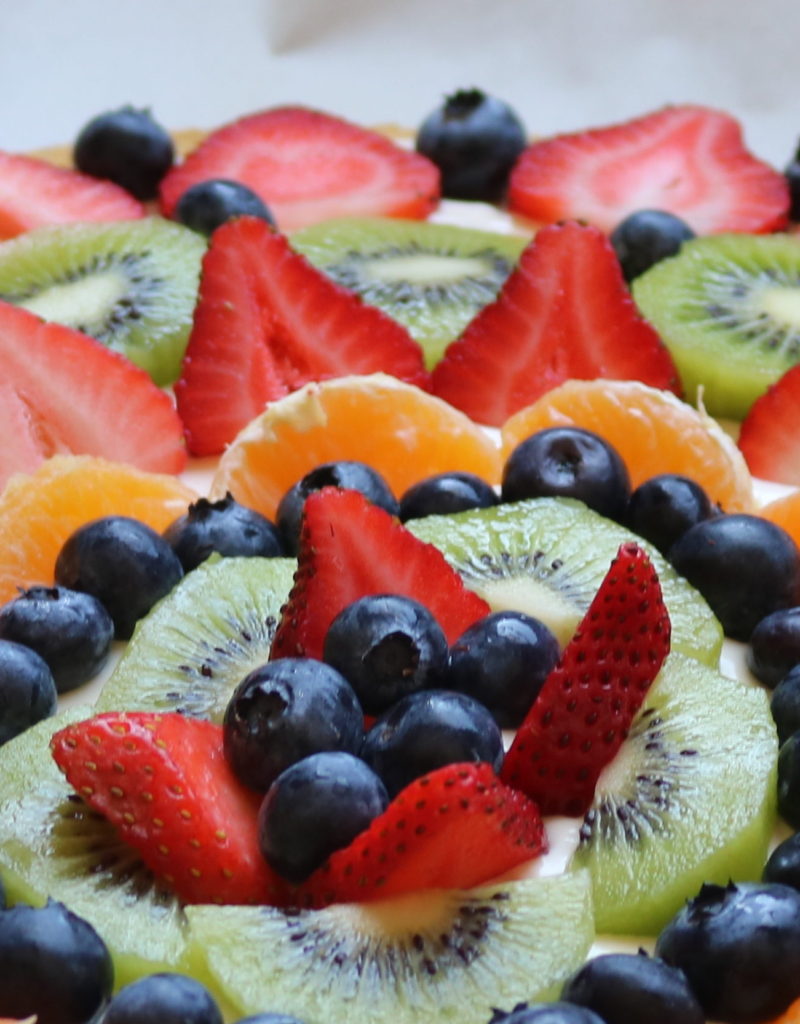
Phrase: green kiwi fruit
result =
(548, 556)
(440, 955)
(433, 278)
(689, 799)
(130, 284)
(728, 309)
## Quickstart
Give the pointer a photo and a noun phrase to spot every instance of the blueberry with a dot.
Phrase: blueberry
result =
(792, 175)
(568, 462)
(547, 1013)
(52, 964)
(785, 704)
(783, 865)
(27, 691)
(664, 507)
(128, 147)
(775, 646)
(428, 730)
(645, 237)
(502, 661)
(122, 562)
(206, 205)
(72, 631)
(474, 140)
(163, 999)
(446, 493)
(287, 710)
(739, 946)
(314, 807)
(224, 527)
(386, 646)
(789, 780)
(744, 566)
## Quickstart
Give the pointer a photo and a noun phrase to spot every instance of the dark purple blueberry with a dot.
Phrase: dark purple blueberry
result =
(739, 946)
(386, 646)
(783, 865)
(428, 730)
(744, 566)
(646, 237)
(445, 494)
(163, 999)
(122, 562)
(208, 204)
(546, 1013)
(792, 175)
(785, 704)
(126, 146)
(775, 646)
(223, 527)
(287, 710)
(52, 964)
(664, 507)
(789, 780)
(27, 691)
(314, 807)
(568, 462)
(71, 630)
(502, 661)
(474, 140)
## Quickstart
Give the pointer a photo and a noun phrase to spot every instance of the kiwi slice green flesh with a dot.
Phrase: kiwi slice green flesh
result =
(437, 955)
(728, 309)
(548, 556)
(191, 651)
(130, 284)
(690, 798)
(433, 278)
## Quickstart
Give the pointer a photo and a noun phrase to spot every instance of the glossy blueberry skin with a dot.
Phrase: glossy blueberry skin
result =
(125, 564)
(789, 780)
(783, 865)
(474, 140)
(163, 999)
(428, 730)
(52, 963)
(775, 646)
(785, 705)
(287, 710)
(224, 527)
(71, 630)
(446, 493)
(664, 507)
(386, 646)
(547, 1013)
(792, 175)
(128, 147)
(502, 661)
(27, 691)
(206, 205)
(314, 807)
(745, 567)
(568, 462)
(646, 237)
(739, 946)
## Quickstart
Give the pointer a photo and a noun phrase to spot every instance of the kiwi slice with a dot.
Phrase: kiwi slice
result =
(690, 798)
(437, 955)
(548, 556)
(199, 642)
(130, 284)
(728, 309)
(433, 278)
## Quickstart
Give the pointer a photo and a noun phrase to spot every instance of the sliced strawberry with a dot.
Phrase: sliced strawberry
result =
(350, 548)
(769, 437)
(454, 828)
(62, 391)
(565, 312)
(585, 708)
(687, 160)
(308, 166)
(163, 781)
(34, 193)
(268, 322)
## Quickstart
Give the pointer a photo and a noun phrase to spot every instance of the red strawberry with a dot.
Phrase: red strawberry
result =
(688, 160)
(266, 323)
(163, 781)
(584, 710)
(350, 548)
(454, 828)
(564, 312)
(34, 193)
(62, 391)
(769, 437)
(308, 166)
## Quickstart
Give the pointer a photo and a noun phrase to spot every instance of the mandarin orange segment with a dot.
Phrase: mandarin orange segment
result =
(653, 431)
(402, 432)
(39, 511)
(790, 1016)
(785, 511)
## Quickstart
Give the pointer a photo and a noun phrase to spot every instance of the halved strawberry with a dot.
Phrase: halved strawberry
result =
(350, 548)
(585, 708)
(268, 322)
(309, 166)
(455, 828)
(769, 437)
(163, 781)
(62, 391)
(34, 193)
(688, 160)
(563, 313)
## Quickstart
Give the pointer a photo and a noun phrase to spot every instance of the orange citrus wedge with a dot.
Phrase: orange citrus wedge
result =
(790, 1016)
(785, 512)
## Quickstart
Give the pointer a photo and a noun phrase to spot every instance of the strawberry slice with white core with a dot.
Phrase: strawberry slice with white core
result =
(769, 437)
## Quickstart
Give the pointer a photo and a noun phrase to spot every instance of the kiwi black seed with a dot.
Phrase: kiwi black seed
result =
(433, 278)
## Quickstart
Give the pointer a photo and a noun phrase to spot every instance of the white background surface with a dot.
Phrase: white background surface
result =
(565, 64)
